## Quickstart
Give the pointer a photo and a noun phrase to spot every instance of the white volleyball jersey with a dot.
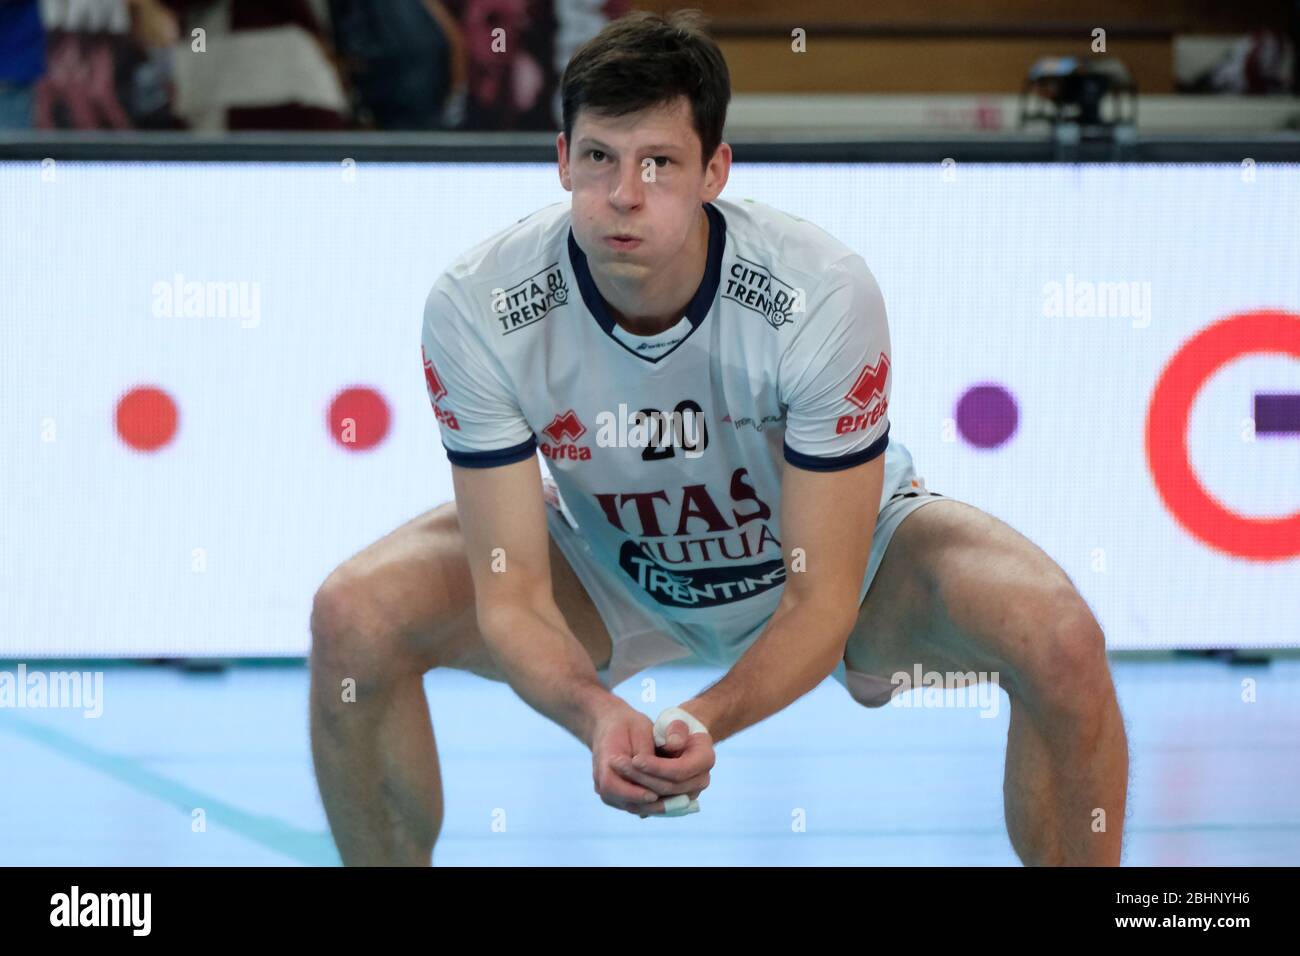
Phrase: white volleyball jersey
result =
(668, 450)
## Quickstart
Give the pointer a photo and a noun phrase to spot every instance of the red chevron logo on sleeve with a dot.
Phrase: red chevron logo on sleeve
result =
(436, 389)
(565, 425)
(871, 383)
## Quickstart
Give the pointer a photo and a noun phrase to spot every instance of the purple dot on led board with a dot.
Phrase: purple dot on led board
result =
(987, 416)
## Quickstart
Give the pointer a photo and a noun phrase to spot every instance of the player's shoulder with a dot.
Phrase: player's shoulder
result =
(519, 252)
(783, 265)
(780, 241)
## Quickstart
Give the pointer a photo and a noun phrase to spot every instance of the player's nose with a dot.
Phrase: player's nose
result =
(629, 191)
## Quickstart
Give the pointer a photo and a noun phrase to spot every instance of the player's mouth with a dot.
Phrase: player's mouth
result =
(622, 242)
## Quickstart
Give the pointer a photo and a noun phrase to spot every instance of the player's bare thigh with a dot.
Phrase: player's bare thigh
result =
(415, 584)
(957, 589)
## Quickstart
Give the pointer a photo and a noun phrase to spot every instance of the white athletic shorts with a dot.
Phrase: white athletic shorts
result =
(642, 638)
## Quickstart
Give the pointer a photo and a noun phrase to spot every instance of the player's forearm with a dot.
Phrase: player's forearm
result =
(548, 668)
(801, 645)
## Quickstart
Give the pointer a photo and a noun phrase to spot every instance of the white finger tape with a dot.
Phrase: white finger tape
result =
(693, 724)
(679, 805)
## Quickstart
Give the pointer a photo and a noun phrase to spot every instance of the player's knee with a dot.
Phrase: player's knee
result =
(351, 635)
(1071, 677)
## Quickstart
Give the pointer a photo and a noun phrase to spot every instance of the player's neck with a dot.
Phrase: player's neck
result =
(658, 303)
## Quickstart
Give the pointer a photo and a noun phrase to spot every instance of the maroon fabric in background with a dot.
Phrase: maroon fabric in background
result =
(265, 15)
(258, 14)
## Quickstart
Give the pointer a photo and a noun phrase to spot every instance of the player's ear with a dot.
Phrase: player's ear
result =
(562, 160)
(716, 172)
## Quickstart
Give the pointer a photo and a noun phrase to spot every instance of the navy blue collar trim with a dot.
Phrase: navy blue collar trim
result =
(696, 309)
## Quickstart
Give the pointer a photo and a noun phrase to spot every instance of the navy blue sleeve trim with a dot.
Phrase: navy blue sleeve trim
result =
(840, 462)
(493, 459)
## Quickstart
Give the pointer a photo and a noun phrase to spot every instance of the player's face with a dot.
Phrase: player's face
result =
(638, 185)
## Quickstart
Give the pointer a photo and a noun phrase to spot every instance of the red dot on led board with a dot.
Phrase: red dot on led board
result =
(358, 418)
(146, 418)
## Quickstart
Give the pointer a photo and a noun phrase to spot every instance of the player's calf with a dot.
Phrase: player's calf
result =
(1067, 755)
(372, 741)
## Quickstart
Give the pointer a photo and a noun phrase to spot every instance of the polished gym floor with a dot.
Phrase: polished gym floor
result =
(214, 769)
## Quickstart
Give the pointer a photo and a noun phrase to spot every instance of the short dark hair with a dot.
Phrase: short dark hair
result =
(644, 60)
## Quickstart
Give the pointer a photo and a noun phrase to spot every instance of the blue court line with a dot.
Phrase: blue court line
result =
(304, 846)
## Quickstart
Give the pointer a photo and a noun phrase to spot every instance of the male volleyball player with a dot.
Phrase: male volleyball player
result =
(709, 383)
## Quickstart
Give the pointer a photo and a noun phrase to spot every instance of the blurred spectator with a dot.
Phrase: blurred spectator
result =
(1293, 21)
(255, 64)
(403, 60)
(516, 51)
(22, 61)
(1254, 65)
(109, 66)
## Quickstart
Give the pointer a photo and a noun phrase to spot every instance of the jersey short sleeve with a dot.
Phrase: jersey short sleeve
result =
(834, 378)
(479, 418)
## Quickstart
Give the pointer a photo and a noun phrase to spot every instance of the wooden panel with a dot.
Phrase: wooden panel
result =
(895, 65)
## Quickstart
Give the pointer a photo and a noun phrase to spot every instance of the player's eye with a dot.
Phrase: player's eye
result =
(596, 154)
(662, 161)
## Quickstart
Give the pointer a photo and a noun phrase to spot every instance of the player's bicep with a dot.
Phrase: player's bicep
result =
(827, 522)
(503, 522)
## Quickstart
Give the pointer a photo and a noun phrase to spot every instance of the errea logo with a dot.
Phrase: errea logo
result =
(565, 428)
(868, 394)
